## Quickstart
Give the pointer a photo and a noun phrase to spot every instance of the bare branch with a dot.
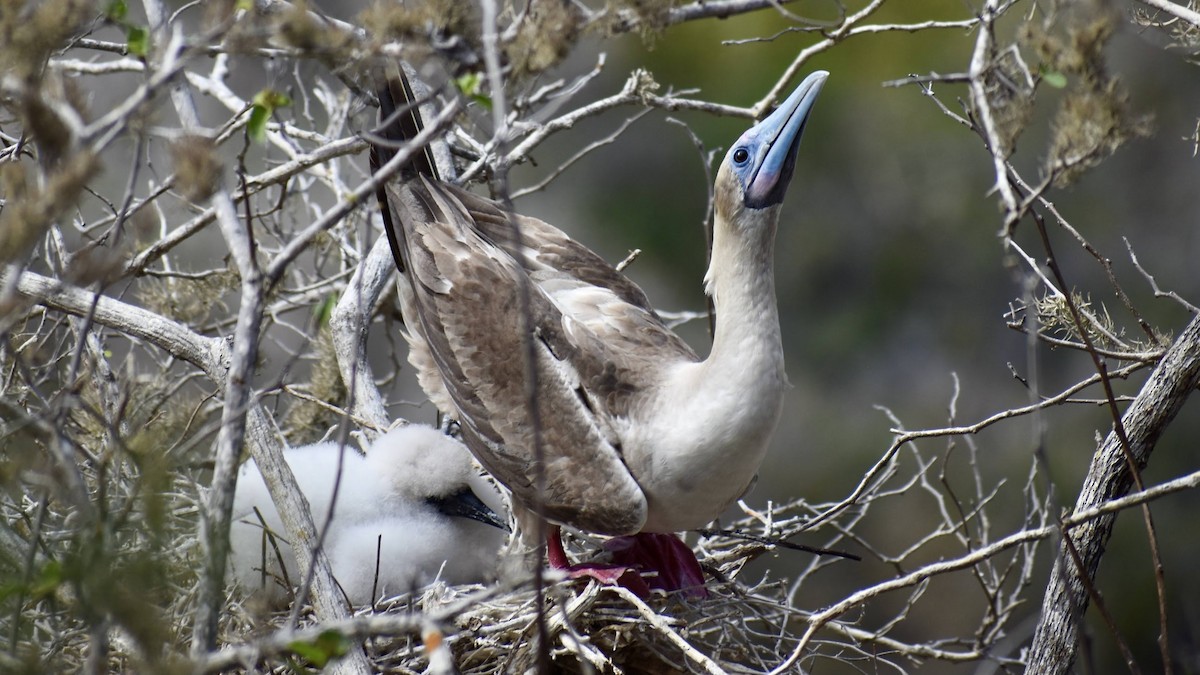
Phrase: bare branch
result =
(1158, 292)
(349, 322)
(1179, 11)
(1173, 380)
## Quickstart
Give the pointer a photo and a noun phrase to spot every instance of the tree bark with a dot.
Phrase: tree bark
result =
(349, 322)
(1056, 639)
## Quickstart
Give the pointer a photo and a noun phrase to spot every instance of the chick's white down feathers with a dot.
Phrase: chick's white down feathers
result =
(381, 514)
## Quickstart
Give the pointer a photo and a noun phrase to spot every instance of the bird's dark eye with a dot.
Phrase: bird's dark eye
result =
(740, 156)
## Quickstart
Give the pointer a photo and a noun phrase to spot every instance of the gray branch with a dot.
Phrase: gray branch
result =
(214, 522)
(212, 356)
(348, 324)
(1056, 640)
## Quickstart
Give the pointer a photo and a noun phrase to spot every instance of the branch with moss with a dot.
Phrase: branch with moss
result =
(1110, 476)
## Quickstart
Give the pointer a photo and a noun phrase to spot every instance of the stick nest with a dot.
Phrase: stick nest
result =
(738, 628)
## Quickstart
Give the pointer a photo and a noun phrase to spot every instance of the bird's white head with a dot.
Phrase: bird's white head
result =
(755, 174)
(419, 464)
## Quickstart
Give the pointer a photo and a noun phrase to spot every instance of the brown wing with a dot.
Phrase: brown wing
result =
(465, 292)
(558, 262)
(550, 247)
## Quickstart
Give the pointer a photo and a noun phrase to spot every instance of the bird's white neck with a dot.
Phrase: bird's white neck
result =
(701, 445)
(741, 282)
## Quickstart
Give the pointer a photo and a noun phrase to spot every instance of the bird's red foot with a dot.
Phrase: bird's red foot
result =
(640, 562)
(665, 561)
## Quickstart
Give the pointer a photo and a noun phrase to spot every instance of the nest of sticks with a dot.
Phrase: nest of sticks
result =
(739, 627)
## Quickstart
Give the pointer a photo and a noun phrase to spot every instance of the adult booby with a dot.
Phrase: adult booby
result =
(411, 511)
(639, 434)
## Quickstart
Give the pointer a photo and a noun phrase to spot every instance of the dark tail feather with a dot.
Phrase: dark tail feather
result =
(399, 121)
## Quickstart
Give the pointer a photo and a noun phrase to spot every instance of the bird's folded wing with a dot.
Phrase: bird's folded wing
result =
(548, 246)
(467, 297)
(588, 288)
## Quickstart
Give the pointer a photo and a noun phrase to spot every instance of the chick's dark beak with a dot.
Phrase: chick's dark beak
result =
(465, 504)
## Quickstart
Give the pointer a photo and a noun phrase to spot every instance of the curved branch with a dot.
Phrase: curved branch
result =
(1177, 375)
(348, 324)
(206, 353)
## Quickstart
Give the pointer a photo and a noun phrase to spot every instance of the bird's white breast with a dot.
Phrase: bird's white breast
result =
(694, 453)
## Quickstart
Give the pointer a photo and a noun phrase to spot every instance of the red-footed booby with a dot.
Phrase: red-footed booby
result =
(413, 510)
(639, 434)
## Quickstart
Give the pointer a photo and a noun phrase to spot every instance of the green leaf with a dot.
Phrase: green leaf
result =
(327, 646)
(482, 100)
(137, 40)
(49, 578)
(257, 126)
(116, 10)
(325, 309)
(471, 85)
(265, 104)
(269, 98)
(1054, 79)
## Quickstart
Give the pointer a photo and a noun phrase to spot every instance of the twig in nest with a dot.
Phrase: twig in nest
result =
(780, 543)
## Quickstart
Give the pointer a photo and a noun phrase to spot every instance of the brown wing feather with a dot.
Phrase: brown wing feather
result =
(552, 246)
(466, 295)
(633, 326)
(624, 341)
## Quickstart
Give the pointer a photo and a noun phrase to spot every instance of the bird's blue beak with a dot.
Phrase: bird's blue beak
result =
(765, 156)
(465, 504)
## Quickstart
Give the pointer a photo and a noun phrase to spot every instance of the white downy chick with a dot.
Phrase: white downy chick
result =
(438, 520)
(414, 500)
(260, 552)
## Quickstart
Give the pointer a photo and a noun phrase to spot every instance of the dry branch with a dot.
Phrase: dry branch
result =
(1055, 643)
